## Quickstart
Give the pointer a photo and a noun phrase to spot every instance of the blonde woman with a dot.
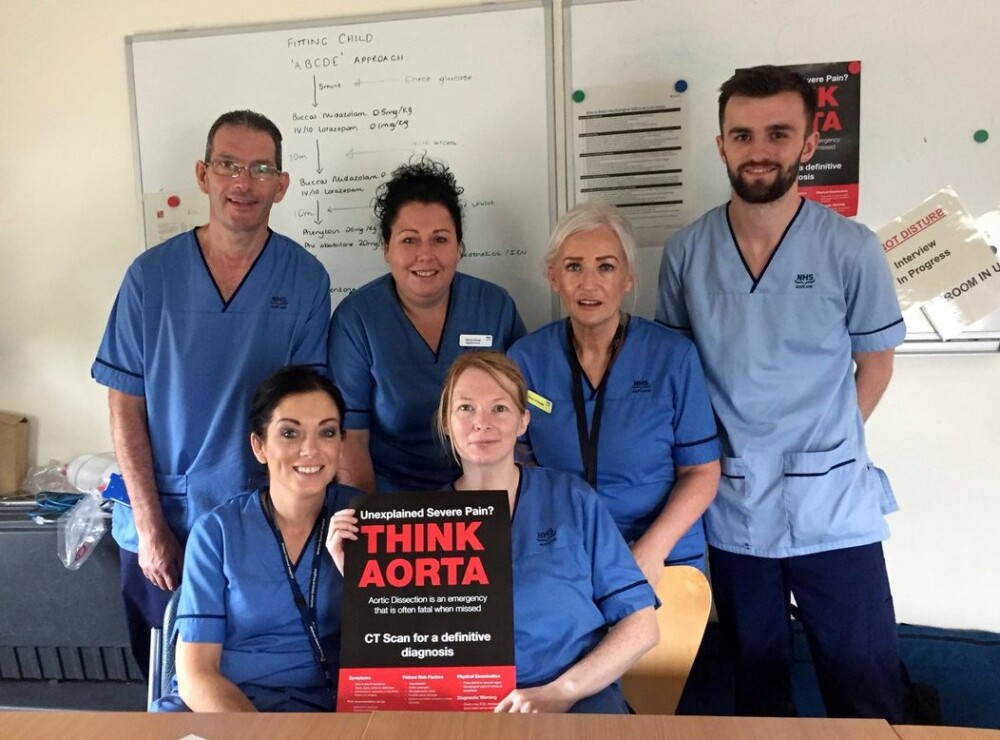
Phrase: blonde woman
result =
(583, 613)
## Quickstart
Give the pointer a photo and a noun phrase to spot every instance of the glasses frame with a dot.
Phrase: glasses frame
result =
(229, 168)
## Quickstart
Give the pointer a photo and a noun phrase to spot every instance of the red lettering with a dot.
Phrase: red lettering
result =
(428, 572)
(425, 572)
(827, 121)
(371, 533)
(398, 538)
(439, 536)
(421, 537)
(475, 573)
(466, 538)
(372, 576)
(399, 573)
(451, 566)
(825, 96)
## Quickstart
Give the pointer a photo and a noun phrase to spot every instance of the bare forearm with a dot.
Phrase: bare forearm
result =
(690, 496)
(205, 691)
(871, 378)
(624, 644)
(160, 554)
(130, 432)
(356, 467)
(201, 684)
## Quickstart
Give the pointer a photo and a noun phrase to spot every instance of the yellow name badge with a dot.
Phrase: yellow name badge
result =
(540, 402)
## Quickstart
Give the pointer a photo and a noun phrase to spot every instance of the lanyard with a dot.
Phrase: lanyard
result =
(307, 609)
(588, 438)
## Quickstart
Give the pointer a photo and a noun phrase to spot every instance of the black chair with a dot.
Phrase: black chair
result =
(161, 653)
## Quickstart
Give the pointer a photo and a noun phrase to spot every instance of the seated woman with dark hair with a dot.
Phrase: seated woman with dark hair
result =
(258, 623)
(583, 613)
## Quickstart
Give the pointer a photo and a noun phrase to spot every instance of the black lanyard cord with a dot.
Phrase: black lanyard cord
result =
(307, 608)
(589, 438)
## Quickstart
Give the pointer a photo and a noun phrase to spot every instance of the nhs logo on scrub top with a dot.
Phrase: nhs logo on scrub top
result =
(279, 302)
(546, 537)
(804, 280)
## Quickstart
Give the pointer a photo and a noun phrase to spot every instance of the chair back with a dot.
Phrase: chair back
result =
(161, 653)
(653, 685)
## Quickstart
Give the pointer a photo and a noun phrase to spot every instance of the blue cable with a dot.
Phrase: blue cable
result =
(49, 505)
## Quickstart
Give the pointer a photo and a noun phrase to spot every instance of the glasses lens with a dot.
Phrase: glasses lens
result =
(262, 171)
(229, 168)
(226, 168)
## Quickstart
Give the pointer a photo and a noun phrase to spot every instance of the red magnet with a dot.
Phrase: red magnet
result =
(173, 201)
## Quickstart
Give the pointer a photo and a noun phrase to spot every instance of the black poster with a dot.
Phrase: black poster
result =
(428, 606)
(831, 176)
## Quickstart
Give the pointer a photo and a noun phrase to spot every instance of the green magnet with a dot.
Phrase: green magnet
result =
(578, 96)
(981, 135)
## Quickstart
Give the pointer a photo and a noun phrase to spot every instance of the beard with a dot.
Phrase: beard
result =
(762, 191)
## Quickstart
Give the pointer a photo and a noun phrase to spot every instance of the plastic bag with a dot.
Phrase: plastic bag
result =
(49, 478)
(79, 531)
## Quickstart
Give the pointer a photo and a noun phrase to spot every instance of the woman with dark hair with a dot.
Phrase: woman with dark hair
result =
(258, 622)
(583, 613)
(392, 340)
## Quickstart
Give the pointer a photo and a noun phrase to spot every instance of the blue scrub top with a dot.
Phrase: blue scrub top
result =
(656, 416)
(236, 593)
(796, 477)
(197, 360)
(573, 574)
(391, 379)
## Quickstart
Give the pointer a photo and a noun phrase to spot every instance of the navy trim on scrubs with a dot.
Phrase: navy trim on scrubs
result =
(201, 252)
(739, 250)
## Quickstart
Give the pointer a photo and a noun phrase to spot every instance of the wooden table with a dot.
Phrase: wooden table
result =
(914, 732)
(429, 725)
(127, 725)
(459, 725)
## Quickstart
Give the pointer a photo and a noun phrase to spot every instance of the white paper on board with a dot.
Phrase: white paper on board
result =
(977, 296)
(172, 212)
(630, 148)
(935, 254)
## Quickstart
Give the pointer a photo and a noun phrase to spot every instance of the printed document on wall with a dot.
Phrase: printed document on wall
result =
(977, 295)
(941, 262)
(630, 147)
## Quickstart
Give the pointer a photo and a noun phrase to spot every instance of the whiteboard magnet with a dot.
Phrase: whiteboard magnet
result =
(681, 85)
(578, 96)
(981, 136)
(173, 201)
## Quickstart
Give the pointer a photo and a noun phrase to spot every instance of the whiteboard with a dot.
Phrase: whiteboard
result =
(356, 97)
(927, 83)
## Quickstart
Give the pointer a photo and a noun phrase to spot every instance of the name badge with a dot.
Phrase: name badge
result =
(475, 340)
(540, 402)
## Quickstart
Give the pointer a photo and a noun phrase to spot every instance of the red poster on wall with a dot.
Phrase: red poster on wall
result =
(831, 176)
(428, 605)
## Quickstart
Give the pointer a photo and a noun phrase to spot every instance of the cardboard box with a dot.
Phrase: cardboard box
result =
(13, 451)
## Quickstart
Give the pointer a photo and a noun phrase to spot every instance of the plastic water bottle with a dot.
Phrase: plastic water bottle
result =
(91, 473)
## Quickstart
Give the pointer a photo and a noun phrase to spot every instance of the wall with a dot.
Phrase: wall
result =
(68, 215)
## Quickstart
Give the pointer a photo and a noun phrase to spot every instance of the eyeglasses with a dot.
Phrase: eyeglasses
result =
(229, 168)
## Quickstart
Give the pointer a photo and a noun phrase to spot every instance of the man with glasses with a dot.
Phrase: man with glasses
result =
(198, 323)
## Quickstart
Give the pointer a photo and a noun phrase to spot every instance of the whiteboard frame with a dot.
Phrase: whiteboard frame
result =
(917, 342)
(347, 20)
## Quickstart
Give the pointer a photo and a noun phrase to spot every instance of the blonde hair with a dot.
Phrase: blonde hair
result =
(587, 217)
(495, 364)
